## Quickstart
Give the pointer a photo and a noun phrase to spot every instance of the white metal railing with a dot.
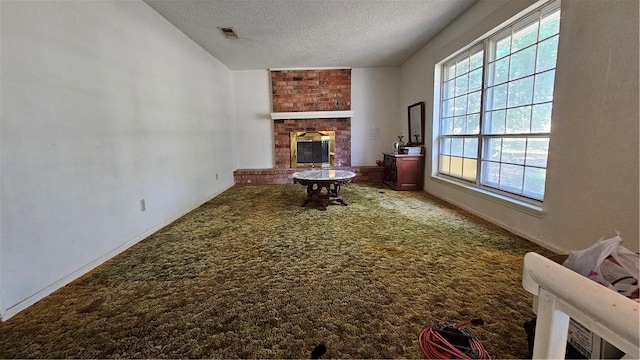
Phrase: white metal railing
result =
(564, 294)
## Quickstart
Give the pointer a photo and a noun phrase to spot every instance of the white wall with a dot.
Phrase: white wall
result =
(592, 184)
(103, 104)
(254, 138)
(374, 100)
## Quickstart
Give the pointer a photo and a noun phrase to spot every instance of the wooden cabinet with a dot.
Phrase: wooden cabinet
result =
(403, 172)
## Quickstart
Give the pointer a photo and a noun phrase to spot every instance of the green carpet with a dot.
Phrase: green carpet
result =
(251, 274)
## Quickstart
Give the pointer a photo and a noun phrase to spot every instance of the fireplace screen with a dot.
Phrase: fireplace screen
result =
(312, 148)
(313, 152)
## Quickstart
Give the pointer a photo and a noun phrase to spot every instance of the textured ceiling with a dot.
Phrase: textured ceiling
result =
(311, 33)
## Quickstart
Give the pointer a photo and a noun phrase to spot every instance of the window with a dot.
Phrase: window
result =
(495, 107)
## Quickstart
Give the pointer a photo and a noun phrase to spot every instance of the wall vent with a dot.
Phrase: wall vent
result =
(228, 32)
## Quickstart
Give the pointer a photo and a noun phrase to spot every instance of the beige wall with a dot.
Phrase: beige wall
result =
(592, 183)
(254, 127)
(103, 104)
(593, 158)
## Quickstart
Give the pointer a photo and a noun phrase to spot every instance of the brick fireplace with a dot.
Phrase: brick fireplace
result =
(311, 91)
(309, 100)
(283, 128)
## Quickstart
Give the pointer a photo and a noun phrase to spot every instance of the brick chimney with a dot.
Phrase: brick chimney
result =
(311, 100)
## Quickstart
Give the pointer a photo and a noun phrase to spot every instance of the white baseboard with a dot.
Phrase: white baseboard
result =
(15, 309)
(534, 240)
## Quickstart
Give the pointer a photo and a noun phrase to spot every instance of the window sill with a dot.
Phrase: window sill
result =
(515, 204)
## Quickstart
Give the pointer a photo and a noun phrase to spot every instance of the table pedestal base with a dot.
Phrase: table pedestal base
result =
(323, 193)
(323, 186)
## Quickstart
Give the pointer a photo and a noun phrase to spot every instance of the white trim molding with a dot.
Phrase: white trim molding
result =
(311, 114)
(312, 68)
(529, 208)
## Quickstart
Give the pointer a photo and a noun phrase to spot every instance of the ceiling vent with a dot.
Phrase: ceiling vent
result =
(228, 32)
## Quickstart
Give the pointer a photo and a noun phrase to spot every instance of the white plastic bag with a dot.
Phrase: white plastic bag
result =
(625, 278)
(585, 261)
(621, 275)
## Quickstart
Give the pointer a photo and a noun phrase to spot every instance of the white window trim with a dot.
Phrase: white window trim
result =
(517, 202)
(526, 207)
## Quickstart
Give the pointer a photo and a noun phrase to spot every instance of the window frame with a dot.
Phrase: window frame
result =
(487, 44)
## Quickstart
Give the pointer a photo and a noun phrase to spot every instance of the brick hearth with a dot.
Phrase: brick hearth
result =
(364, 174)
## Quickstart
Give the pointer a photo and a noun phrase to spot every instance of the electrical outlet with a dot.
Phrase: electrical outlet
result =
(143, 205)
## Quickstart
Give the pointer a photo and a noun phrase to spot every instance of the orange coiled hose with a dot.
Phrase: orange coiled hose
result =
(435, 344)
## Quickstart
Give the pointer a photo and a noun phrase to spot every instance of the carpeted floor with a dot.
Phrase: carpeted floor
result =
(251, 274)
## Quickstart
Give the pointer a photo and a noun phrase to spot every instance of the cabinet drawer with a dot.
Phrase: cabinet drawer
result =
(389, 161)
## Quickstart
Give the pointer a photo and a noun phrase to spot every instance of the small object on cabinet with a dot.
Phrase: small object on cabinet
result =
(398, 144)
(413, 150)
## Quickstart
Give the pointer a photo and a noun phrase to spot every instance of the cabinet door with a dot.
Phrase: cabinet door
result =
(409, 173)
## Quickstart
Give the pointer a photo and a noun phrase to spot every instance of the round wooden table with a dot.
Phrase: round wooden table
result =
(323, 186)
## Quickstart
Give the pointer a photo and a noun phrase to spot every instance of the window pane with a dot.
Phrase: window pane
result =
(518, 120)
(547, 54)
(544, 87)
(462, 67)
(493, 150)
(471, 148)
(534, 180)
(469, 169)
(550, 24)
(449, 71)
(459, 124)
(457, 145)
(475, 80)
(524, 35)
(449, 89)
(511, 177)
(456, 167)
(502, 47)
(461, 105)
(520, 92)
(447, 107)
(476, 60)
(513, 150)
(523, 63)
(444, 164)
(462, 84)
(490, 174)
(499, 71)
(445, 146)
(446, 126)
(537, 150)
(541, 118)
(473, 102)
(497, 97)
(473, 124)
(495, 122)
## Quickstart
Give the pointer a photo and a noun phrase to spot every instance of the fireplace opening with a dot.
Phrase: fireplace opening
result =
(313, 152)
(312, 148)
